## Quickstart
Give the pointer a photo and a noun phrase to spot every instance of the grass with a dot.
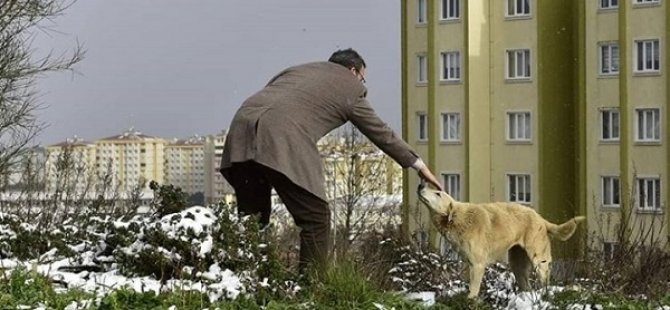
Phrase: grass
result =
(343, 286)
(23, 287)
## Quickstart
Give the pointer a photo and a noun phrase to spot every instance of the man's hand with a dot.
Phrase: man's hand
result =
(425, 174)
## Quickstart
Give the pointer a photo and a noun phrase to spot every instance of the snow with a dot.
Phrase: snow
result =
(426, 298)
(216, 282)
(222, 282)
(196, 218)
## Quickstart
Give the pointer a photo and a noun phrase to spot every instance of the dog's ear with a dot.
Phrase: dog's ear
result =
(446, 213)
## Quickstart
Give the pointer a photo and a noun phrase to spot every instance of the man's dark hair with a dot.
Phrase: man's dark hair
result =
(348, 58)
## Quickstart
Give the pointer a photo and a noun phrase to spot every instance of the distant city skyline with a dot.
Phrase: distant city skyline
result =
(173, 69)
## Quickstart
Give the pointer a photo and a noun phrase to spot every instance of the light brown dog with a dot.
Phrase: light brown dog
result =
(483, 233)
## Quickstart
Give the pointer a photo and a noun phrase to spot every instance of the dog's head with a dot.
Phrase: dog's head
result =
(435, 200)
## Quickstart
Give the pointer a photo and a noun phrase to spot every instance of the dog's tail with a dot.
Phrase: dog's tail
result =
(566, 230)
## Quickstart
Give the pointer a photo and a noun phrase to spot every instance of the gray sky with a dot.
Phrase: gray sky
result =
(177, 68)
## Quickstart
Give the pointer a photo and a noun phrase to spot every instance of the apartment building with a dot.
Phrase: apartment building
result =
(29, 171)
(363, 185)
(185, 164)
(357, 168)
(623, 108)
(216, 187)
(131, 159)
(70, 166)
(552, 104)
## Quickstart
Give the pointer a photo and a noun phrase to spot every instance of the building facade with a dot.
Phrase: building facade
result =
(216, 187)
(70, 166)
(29, 172)
(131, 159)
(185, 164)
(534, 102)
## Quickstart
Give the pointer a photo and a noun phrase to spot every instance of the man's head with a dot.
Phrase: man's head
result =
(350, 59)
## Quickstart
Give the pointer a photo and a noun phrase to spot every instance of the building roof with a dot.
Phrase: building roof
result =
(74, 141)
(129, 135)
(191, 141)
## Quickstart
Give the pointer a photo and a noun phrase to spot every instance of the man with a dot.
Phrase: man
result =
(271, 143)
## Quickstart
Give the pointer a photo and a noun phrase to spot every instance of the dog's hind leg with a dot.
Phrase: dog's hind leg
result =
(476, 274)
(521, 266)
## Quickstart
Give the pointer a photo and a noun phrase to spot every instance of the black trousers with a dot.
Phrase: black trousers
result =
(253, 184)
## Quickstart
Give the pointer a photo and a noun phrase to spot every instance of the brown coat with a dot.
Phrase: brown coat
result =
(280, 125)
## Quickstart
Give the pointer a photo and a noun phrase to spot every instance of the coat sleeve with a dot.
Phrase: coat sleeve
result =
(364, 117)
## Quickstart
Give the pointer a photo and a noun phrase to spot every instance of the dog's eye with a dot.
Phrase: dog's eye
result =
(438, 194)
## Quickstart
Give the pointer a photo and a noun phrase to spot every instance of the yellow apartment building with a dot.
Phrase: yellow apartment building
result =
(362, 184)
(185, 164)
(131, 159)
(357, 168)
(70, 166)
(623, 112)
(558, 105)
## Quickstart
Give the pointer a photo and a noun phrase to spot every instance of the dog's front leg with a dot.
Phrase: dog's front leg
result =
(476, 274)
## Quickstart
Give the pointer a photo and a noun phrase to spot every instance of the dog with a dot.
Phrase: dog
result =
(483, 233)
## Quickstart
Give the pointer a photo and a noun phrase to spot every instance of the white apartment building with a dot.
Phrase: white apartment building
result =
(216, 187)
(185, 164)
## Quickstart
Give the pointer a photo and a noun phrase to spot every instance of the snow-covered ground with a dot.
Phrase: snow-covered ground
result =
(217, 282)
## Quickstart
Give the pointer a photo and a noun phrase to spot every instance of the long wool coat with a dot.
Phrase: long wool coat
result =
(280, 125)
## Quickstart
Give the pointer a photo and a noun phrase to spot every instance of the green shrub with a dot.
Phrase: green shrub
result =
(27, 288)
(168, 199)
(605, 301)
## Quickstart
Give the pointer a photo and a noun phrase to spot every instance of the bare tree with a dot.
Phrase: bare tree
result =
(19, 20)
(362, 183)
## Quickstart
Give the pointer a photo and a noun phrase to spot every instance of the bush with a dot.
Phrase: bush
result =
(168, 199)
(402, 265)
(26, 288)
(638, 262)
(204, 245)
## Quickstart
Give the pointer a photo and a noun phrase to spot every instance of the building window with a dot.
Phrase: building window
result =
(422, 122)
(421, 12)
(648, 125)
(452, 184)
(518, 64)
(609, 124)
(450, 9)
(451, 127)
(609, 58)
(518, 8)
(518, 126)
(518, 188)
(610, 192)
(647, 55)
(421, 68)
(649, 193)
(646, 1)
(451, 66)
(609, 4)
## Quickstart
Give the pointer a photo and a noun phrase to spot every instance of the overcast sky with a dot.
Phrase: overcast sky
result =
(174, 68)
